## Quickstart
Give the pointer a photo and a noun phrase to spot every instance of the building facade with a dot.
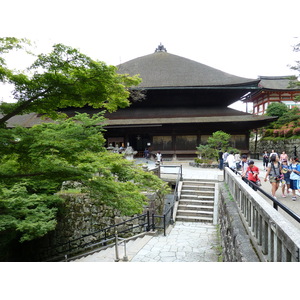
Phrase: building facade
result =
(185, 102)
(274, 89)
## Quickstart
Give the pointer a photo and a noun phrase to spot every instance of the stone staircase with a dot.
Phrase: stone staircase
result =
(196, 203)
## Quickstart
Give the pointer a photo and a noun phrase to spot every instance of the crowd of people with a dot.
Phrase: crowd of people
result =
(281, 171)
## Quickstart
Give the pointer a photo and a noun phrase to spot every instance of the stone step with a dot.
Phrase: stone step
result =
(196, 197)
(194, 219)
(198, 183)
(195, 207)
(196, 202)
(198, 187)
(209, 202)
(196, 213)
(197, 192)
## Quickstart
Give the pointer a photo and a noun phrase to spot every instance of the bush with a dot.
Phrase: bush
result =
(198, 160)
(281, 132)
(296, 131)
(268, 132)
(275, 132)
(288, 132)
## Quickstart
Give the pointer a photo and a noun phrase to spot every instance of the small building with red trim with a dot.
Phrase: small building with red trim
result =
(274, 89)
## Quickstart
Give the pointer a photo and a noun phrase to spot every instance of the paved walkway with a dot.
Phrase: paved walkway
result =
(187, 242)
(190, 242)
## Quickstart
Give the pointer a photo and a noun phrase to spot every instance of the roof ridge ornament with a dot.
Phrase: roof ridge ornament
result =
(160, 48)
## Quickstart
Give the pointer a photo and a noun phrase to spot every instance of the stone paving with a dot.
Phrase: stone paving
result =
(187, 242)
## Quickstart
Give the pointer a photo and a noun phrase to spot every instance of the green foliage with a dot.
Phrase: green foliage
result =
(276, 109)
(206, 152)
(36, 161)
(285, 125)
(64, 78)
(122, 184)
(29, 215)
(218, 140)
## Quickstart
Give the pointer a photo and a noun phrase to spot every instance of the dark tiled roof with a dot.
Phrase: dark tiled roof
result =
(154, 116)
(278, 82)
(174, 115)
(162, 69)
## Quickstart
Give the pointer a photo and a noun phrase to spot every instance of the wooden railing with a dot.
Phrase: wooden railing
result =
(273, 236)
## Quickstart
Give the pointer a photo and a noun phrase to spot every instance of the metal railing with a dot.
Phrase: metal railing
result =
(273, 238)
(111, 234)
(276, 203)
(178, 173)
(167, 217)
(100, 238)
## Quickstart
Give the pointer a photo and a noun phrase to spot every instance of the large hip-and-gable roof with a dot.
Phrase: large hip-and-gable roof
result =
(162, 69)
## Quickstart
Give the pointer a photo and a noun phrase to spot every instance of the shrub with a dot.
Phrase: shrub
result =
(296, 131)
(268, 132)
(275, 132)
(198, 160)
(288, 132)
(281, 132)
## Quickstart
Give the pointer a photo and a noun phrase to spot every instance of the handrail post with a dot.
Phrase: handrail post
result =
(116, 247)
(180, 172)
(153, 222)
(148, 221)
(125, 258)
(171, 215)
(164, 224)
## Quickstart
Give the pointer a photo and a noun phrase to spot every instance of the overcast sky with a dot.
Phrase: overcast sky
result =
(244, 38)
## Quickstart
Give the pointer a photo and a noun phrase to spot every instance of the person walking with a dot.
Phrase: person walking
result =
(237, 159)
(283, 156)
(253, 172)
(158, 158)
(273, 153)
(265, 160)
(221, 161)
(225, 154)
(147, 153)
(230, 160)
(244, 166)
(295, 176)
(285, 181)
(274, 173)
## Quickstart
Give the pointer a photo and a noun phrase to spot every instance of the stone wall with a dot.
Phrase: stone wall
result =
(80, 216)
(281, 145)
(235, 242)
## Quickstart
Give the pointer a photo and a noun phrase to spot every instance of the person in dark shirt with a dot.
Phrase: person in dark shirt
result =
(221, 161)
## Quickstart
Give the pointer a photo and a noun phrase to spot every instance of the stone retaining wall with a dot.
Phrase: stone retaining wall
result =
(80, 216)
(281, 145)
(235, 242)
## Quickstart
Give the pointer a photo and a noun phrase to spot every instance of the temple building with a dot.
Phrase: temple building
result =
(185, 103)
(274, 89)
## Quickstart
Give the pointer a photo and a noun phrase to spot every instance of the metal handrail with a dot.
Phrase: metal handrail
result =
(105, 239)
(276, 203)
(175, 198)
(147, 225)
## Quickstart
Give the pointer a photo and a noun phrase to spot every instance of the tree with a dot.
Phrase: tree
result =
(63, 78)
(36, 161)
(218, 140)
(295, 83)
(276, 109)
